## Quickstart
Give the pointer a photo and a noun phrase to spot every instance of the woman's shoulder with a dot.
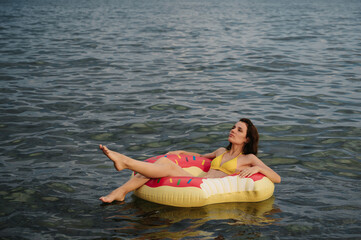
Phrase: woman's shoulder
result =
(220, 151)
(250, 157)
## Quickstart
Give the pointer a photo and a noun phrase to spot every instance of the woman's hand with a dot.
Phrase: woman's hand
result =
(249, 171)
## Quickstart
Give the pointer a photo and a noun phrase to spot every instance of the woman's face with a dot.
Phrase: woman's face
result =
(238, 133)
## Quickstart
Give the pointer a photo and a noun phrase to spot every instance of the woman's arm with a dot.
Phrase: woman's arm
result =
(208, 155)
(257, 166)
(179, 152)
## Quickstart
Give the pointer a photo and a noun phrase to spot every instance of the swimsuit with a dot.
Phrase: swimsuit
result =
(228, 167)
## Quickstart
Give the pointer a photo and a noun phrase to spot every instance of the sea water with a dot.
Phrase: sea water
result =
(148, 76)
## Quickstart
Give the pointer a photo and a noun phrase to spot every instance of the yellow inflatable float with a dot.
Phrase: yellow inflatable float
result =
(198, 191)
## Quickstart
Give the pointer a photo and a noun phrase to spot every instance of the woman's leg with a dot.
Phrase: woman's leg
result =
(119, 193)
(163, 167)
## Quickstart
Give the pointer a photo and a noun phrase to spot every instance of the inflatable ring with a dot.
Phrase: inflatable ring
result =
(198, 191)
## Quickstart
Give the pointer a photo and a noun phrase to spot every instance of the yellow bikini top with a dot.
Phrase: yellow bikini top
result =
(228, 167)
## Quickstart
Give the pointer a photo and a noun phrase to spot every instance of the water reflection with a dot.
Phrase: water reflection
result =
(158, 221)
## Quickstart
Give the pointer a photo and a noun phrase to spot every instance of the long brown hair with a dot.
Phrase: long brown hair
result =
(251, 146)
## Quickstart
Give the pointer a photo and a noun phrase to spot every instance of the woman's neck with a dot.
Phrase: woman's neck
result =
(236, 150)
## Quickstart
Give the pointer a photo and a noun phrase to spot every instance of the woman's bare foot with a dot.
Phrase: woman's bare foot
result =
(106, 199)
(117, 158)
(116, 195)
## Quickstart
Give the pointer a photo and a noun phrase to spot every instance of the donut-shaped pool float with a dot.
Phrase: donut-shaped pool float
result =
(198, 191)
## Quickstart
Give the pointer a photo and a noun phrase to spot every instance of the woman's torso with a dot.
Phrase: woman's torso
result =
(228, 164)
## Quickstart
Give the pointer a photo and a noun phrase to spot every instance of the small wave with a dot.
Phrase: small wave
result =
(293, 38)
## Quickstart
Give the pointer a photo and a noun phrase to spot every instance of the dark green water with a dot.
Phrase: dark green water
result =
(147, 77)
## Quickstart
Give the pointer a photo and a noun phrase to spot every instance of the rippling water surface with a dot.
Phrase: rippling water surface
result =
(146, 77)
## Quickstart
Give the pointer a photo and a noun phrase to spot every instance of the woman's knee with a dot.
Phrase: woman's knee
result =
(140, 176)
(163, 160)
(170, 166)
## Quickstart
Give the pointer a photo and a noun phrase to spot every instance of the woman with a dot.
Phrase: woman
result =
(238, 157)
